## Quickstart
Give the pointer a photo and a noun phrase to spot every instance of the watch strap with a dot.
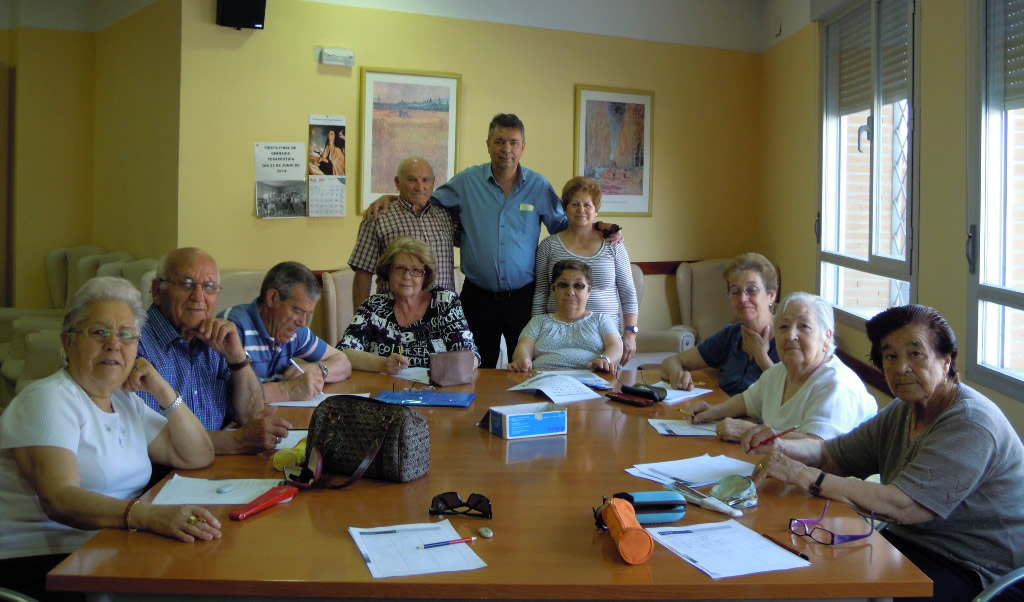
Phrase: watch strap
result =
(323, 369)
(815, 488)
(241, 364)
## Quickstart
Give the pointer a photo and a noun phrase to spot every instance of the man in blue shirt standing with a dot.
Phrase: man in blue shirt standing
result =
(274, 333)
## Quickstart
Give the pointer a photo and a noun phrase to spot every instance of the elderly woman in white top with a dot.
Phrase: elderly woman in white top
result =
(810, 389)
(612, 290)
(77, 447)
(572, 336)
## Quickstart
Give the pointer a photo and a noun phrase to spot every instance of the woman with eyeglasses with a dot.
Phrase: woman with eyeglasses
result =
(950, 464)
(740, 351)
(77, 447)
(401, 328)
(571, 336)
(809, 394)
(612, 291)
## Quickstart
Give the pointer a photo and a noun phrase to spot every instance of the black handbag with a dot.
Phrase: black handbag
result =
(359, 436)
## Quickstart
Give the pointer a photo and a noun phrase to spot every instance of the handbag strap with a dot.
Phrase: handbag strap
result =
(364, 464)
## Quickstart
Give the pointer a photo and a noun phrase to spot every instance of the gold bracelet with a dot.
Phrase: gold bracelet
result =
(128, 515)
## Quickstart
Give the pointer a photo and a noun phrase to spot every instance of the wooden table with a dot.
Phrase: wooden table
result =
(545, 543)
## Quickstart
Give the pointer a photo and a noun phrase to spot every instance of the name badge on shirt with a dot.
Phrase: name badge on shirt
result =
(438, 345)
(525, 207)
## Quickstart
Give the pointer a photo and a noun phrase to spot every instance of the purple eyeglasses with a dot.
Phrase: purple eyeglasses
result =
(804, 526)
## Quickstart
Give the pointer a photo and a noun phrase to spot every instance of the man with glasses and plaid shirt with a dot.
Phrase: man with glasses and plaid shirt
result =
(202, 357)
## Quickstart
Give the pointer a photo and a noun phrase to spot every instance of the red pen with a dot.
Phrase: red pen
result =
(447, 543)
(281, 493)
(775, 436)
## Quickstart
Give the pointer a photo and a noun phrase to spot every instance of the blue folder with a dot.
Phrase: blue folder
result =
(426, 398)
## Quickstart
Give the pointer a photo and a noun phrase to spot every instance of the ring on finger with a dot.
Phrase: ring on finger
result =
(192, 520)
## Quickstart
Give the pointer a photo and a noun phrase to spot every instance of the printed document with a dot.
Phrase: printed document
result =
(394, 551)
(559, 388)
(726, 549)
(695, 472)
(678, 428)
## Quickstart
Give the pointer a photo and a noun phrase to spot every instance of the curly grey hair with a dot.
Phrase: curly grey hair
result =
(102, 289)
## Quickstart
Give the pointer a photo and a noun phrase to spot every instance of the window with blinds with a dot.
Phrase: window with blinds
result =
(995, 349)
(865, 228)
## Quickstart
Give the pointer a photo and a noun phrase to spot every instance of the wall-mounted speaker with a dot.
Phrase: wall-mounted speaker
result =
(248, 14)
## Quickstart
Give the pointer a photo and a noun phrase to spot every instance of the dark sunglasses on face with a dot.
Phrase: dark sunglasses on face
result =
(451, 503)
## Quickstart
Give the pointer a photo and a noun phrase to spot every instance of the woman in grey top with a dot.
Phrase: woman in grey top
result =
(951, 465)
(572, 336)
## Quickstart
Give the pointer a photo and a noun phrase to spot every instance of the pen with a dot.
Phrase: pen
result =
(784, 546)
(446, 543)
(297, 367)
(699, 383)
(673, 532)
(775, 436)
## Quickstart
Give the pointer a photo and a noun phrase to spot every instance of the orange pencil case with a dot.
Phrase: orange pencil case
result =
(635, 545)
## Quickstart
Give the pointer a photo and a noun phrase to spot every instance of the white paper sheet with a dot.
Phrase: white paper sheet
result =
(293, 438)
(312, 403)
(558, 388)
(677, 395)
(726, 549)
(698, 471)
(186, 490)
(420, 375)
(678, 428)
(587, 377)
(393, 552)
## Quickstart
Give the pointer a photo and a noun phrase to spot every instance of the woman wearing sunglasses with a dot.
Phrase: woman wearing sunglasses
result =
(571, 336)
(951, 465)
(401, 328)
(77, 447)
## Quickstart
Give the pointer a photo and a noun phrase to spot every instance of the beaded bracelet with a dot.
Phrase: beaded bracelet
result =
(128, 515)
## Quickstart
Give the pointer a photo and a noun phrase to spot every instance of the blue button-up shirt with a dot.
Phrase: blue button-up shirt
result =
(270, 360)
(197, 372)
(499, 239)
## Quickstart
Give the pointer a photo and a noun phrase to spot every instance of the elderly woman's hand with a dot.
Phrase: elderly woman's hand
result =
(602, 364)
(779, 466)
(699, 410)
(144, 377)
(732, 429)
(681, 380)
(395, 363)
(523, 365)
(752, 440)
(186, 523)
(756, 344)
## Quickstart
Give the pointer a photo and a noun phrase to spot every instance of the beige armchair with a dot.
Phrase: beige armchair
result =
(241, 287)
(337, 298)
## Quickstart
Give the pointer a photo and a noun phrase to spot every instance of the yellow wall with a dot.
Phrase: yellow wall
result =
(53, 141)
(6, 72)
(135, 206)
(242, 87)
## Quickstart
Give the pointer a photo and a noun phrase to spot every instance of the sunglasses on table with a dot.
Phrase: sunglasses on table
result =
(805, 527)
(451, 503)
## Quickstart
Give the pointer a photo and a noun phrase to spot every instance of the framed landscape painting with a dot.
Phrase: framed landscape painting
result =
(403, 114)
(613, 146)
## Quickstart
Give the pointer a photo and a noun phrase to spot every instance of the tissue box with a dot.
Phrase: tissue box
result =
(528, 420)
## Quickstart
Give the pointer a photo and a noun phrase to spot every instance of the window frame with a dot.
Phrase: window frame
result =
(977, 139)
(879, 265)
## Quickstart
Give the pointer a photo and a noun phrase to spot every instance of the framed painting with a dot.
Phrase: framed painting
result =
(613, 146)
(404, 114)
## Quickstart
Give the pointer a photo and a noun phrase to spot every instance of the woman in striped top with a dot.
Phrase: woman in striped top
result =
(613, 292)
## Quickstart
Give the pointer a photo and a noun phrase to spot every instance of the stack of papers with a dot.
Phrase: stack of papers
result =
(677, 428)
(676, 395)
(558, 387)
(695, 472)
(394, 551)
(587, 377)
(726, 549)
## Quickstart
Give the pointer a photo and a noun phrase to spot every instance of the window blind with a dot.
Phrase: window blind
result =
(1006, 40)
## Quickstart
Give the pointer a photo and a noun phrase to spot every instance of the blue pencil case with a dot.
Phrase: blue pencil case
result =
(653, 507)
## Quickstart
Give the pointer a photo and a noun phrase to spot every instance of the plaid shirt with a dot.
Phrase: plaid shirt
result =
(436, 226)
(198, 373)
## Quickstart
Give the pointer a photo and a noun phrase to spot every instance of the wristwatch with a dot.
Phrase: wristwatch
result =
(323, 369)
(634, 328)
(815, 488)
(241, 364)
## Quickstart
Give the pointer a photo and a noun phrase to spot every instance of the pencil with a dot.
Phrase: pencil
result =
(775, 436)
(447, 543)
(784, 546)
(687, 412)
(297, 367)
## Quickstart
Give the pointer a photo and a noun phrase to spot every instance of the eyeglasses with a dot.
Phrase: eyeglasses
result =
(580, 286)
(102, 335)
(802, 527)
(451, 503)
(404, 269)
(750, 291)
(188, 284)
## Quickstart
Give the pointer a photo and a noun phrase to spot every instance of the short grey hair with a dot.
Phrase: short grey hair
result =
(820, 309)
(287, 275)
(104, 288)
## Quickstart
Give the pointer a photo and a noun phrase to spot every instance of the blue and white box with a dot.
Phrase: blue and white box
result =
(528, 420)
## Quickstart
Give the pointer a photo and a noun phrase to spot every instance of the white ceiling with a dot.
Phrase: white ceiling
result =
(744, 25)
